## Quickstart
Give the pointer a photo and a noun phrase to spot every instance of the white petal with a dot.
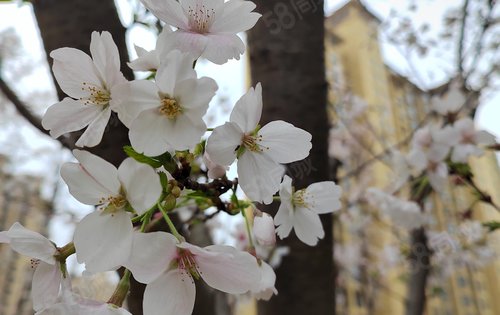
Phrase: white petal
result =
(103, 241)
(72, 67)
(169, 11)
(284, 218)
(45, 285)
(222, 47)
(236, 17)
(188, 42)
(184, 132)
(31, 244)
(149, 133)
(132, 98)
(265, 288)
(323, 197)
(263, 230)
(151, 255)
(93, 134)
(286, 142)
(230, 271)
(195, 94)
(106, 58)
(259, 176)
(174, 68)
(69, 115)
(92, 179)
(172, 294)
(141, 183)
(308, 227)
(248, 110)
(223, 143)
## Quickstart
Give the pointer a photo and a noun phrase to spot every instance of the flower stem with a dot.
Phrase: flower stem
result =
(210, 129)
(170, 223)
(65, 251)
(121, 290)
(249, 230)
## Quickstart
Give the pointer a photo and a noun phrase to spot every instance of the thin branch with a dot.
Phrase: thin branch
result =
(24, 111)
(461, 40)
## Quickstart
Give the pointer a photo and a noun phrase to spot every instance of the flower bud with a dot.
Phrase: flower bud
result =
(214, 170)
(263, 230)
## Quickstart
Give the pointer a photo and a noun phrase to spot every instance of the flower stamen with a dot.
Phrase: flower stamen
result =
(98, 95)
(200, 18)
(170, 108)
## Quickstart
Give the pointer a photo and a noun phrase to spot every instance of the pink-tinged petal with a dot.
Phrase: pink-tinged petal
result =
(141, 183)
(93, 134)
(172, 293)
(169, 11)
(265, 289)
(103, 241)
(248, 109)
(188, 42)
(176, 67)
(308, 227)
(149, 133)
(222, 47)
(214, 170)
(69, 115)
(223, 143)
(131, 98)
(73, 67)
(106, 58)
(323, 197)
(99, 170)
(263, 230)
(185, 132)
(31, 244)
(194, 95)
(151, 255)
(236, 17)
(45, 285)
(229, 270)
(259, 176)
(284, 142)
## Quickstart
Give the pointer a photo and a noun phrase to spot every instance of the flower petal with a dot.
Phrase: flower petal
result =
(230, 270)
(308, 227)
(194, 95)
(223, 143)
(172, 293)
(174, 68)
(188, 42)
(323, 197)
(284, 217)
(265, 289)
(285, 142)
(169, 11)
(185, 132)
(259, 176)
(152, 254)
(31, 244)
(236, 17)
(72, 67)
(222, 47)
(248, 110)
(103, 241)
(93, 134)
(131, 98)
(106, 58)
(141, 183)
(45, 285)
(263, 230)
(92, 179)
(149, 133)
(69, 115)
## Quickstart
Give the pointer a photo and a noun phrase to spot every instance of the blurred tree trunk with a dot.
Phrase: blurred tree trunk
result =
(420, 258)
(287, 56)
(69, 23)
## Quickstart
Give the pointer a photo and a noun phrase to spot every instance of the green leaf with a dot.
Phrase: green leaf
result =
(492, 225)
(141, 158)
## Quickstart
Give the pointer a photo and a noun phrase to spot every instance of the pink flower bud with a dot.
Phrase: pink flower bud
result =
(214, 170)
(263, 230)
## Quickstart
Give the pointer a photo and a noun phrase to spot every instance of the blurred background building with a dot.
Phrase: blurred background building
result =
(20, 201)
(395, 107)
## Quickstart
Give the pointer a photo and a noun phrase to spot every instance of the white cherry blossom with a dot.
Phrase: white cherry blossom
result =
(469, 139)
(206, 28)
(451, 101)
(167, 114)
(150, 60)
(169, 268)
(88, 81)
(300, 209)
(103, 238)
(47, 277)
(260, 151)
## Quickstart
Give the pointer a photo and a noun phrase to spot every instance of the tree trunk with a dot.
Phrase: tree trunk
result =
(287, 55)
(420, 269)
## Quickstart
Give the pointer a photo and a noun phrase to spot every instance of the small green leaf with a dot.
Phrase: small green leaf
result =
(141, 158)
(492, 225)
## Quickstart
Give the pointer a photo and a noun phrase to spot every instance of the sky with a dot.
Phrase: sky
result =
(230, 77)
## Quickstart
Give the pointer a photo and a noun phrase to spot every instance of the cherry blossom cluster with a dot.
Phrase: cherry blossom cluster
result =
(164, 116)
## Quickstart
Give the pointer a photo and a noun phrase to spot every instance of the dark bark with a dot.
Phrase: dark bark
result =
(287, 56)
(420, 262)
